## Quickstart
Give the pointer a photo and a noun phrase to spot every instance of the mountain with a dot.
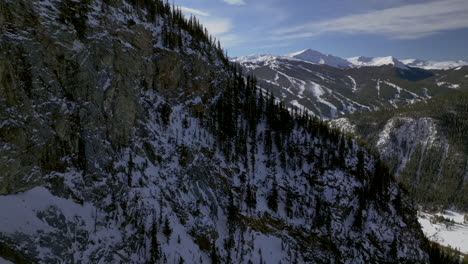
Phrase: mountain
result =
(413, 118)
(319, 58)
(126, 136)
(330, 92)
(434, 65)
(425, 145)
(361, 61)
(379, 61)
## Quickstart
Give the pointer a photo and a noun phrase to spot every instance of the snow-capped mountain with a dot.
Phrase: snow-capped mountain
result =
(320, 58)
(329, 92)
(434, 65)
(375, 62)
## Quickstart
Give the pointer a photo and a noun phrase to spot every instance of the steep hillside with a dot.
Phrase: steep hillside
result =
(426, 145)
(126, 137)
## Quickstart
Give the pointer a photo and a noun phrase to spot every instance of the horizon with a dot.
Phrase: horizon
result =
(425, 30)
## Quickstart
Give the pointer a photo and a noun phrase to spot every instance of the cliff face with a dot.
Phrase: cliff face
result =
(65, 83)
(126, 137)
(425, 145)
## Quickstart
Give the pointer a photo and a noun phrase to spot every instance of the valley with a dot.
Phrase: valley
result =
(127, 135)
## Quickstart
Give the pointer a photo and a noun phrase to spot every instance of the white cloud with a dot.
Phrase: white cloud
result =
(193, 11)
(235, 2)
(230, 40)
(216, 26)
(404, 22)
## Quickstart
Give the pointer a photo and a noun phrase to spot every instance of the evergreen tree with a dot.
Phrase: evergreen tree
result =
(167, 230)
(272, 199)
(155, 253)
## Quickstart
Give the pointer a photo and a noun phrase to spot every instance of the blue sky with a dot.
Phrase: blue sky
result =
(430, 30)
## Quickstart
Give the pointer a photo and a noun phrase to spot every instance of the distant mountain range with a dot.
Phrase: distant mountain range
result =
(415, 118)
(316, 57)
(379, 61)
(329, 86)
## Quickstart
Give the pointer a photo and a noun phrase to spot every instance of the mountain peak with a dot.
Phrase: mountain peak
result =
(306, 52)
(314, 56)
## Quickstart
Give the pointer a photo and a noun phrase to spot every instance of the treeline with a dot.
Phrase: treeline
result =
(435, 176)
(451, 110)
(175, 23)
(441, 254)
(170, 18)
(248, 121)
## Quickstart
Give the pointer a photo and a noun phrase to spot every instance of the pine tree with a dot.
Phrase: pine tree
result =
(214, 254)
(272, 199)
(167, 230)
(155, 250)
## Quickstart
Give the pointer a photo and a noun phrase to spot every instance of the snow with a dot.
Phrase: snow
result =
(317, 90)
(375, 62)
(399, 89)
(4, 261)
(448, 85)
(378, 88)
(23, 208)
(107, 84)
(343, 124)
(435, 65)
(165, 187)
(401, 136)
(354, 83)
(455, 236)
(320, 58)
(255, 58)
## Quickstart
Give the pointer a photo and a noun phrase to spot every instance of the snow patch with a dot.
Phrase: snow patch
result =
(451, 234)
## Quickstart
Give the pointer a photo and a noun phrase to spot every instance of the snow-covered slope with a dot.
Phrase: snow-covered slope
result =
(329, 92)
(379, 61)
(320, 58)
(126, 137)
(255, 58)
(434, 65)
(449, 228)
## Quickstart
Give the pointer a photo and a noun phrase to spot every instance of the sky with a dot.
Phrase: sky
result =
(422, 29)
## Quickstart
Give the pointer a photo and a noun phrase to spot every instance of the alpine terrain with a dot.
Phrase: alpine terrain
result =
(414, 119)
(329, 87)
(126, 136)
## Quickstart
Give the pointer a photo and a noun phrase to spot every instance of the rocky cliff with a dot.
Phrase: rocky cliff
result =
(126, 137)
(425, 145)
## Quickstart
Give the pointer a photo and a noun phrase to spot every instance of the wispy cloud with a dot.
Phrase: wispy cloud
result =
(231, 40)
(404, 22)
(235, 2)
(217, 26)
(193, 11)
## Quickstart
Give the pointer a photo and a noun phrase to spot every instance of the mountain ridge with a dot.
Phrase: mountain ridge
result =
(127, 137)
(320, 58)
(317, 57)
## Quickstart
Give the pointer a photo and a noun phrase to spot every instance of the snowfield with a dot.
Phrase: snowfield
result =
(454, 235)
